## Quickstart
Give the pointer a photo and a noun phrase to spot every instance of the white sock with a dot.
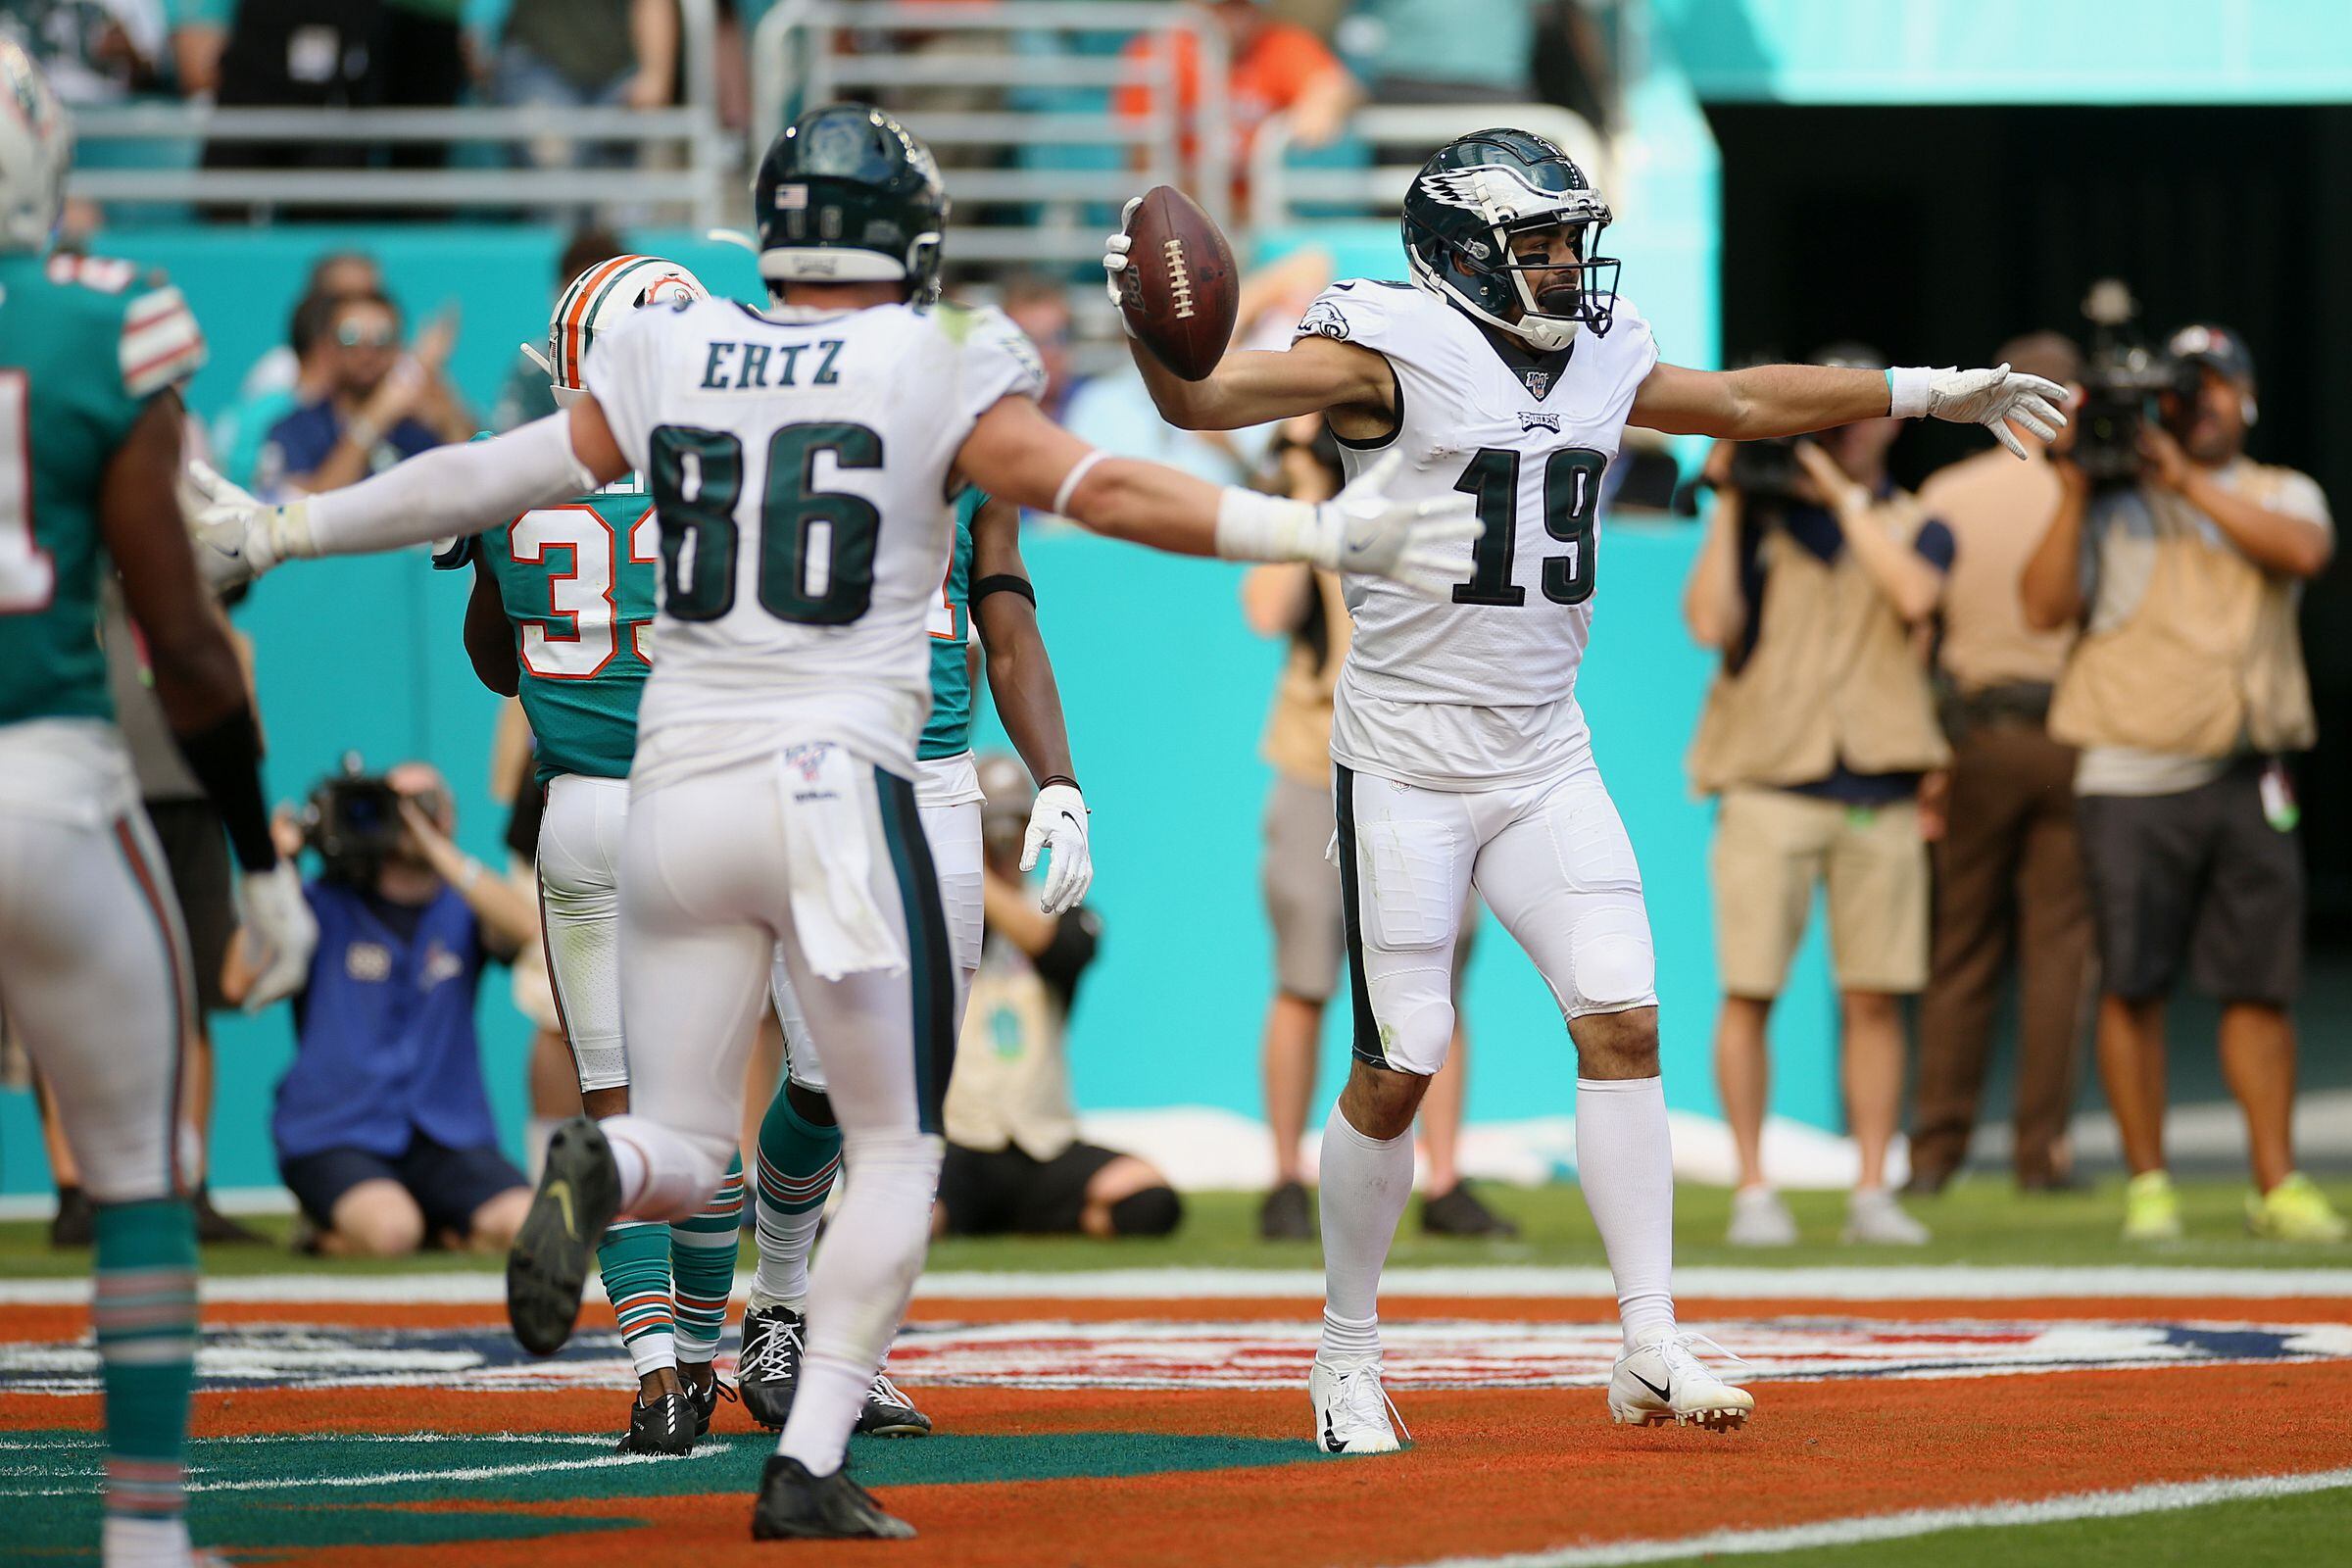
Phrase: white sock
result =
(536, 1131)
(784, 1242)
(653, 1353)
(130, 1542)
(1625, 1163)
(858, 1291)
(665, 1174)
(1364, 1183)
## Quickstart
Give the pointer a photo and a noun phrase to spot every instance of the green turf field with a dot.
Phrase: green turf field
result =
(1981, 1222)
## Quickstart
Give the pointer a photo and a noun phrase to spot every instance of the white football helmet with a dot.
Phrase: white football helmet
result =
(37, 148)
(599, 300)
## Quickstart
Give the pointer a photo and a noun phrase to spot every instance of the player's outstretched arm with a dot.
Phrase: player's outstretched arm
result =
(446, 493)
(201, 684)
(1017, 452)
(1259, 387)
(1021, 678)
(1773, 400)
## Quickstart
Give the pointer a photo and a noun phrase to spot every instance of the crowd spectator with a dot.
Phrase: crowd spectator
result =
(382, 1127)
(2009, 896)
(2185, 692)
(1273, 67)
(379, 405)
(586, 53)
(307, 54)
(1041, 307)
(1816, 584)
(1015, 1163)
(92, 51)
(1302, 887)
(1443, 51)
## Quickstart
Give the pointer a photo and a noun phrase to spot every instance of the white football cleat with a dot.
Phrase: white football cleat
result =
(1352, 1410)
(1659, 1381)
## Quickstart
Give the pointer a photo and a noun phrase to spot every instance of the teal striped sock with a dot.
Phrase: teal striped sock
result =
(798, 1163)
(144, 1312)
(634, 1259)
(701, 1256)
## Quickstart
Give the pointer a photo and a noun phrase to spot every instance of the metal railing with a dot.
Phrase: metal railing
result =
(1016, 198)
(688, 137)
(1283, 193)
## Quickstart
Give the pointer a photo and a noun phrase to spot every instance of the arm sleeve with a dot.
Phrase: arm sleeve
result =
(998, 362)
(451, 491)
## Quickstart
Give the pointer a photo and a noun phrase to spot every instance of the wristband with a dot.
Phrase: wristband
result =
(363, 432)
(1256, 527)
(1907, 389)
(225, 757)
(1069, 480)
(469, 874)
(1051, 779)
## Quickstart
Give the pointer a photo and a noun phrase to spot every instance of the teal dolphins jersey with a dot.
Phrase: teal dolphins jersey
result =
(85, 343)
(577, 583)
(948, 732)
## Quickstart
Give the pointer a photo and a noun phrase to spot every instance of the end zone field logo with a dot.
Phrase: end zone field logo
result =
(1148, 1354)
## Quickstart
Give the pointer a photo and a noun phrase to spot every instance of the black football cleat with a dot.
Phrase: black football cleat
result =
(547, 1267)
(704, 1398)
(795, 1505)
(770, 1365)
(888, 1413)
(665, 1426)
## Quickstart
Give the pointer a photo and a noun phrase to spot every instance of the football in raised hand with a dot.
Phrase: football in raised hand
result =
(1183, 293)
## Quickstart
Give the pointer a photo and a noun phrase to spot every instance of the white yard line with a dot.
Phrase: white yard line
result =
(1913, 1283)
(2158, 1498)
(384, 1478)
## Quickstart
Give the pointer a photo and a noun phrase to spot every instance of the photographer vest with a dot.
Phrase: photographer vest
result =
(1832, 677)
(1297, 738)
(2209, 662)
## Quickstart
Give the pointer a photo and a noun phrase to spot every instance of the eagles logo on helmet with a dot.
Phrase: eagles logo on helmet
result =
(1472, 196)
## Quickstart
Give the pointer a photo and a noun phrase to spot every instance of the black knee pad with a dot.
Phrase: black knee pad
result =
(1153, 1211)
(811, 1105)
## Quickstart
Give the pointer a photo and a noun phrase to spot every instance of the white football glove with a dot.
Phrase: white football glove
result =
(237, 537)
(279, 934)
(1993, 398)
(1119, 277)
(1424, 545)
(1058, 822)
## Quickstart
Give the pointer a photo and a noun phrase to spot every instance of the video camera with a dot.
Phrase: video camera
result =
(2121, 382)
(1766, 469)
(352, 821)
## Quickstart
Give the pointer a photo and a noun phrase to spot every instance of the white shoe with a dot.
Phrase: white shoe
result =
(1351, 1408)
(1760, 1219)
(1872, 1218)
(1659, 1381)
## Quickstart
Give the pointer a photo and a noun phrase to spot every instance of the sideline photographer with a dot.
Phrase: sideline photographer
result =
(1816, 581)
(2184, 561)
(382, 1126)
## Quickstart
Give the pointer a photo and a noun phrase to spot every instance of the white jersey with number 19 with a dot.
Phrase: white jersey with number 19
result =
(1478, 691)
(798, 463)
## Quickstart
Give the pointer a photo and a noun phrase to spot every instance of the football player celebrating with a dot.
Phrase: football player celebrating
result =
(987, 590)
(800, 460)
(93, 959)
(562, 615)
(1506, 370)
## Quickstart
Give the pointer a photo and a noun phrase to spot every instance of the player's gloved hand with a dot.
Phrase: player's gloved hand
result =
(279, 934)
(1990, 398)
(1119, 278)
(1058, 822)
(1422, 545)
(238, 538)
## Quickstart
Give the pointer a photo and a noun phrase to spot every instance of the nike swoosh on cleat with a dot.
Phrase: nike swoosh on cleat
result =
(1651, 1387)
(1331, 1439)
(561, 1192)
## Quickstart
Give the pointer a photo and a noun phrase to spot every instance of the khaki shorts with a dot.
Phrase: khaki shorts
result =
(1773, 848)
(1302, 886)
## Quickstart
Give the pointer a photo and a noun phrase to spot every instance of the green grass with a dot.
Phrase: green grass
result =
(1982, 1222)
(2305, 1529)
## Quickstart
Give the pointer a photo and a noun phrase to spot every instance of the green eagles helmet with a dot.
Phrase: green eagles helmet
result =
(846, 195)
(1467, 201)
